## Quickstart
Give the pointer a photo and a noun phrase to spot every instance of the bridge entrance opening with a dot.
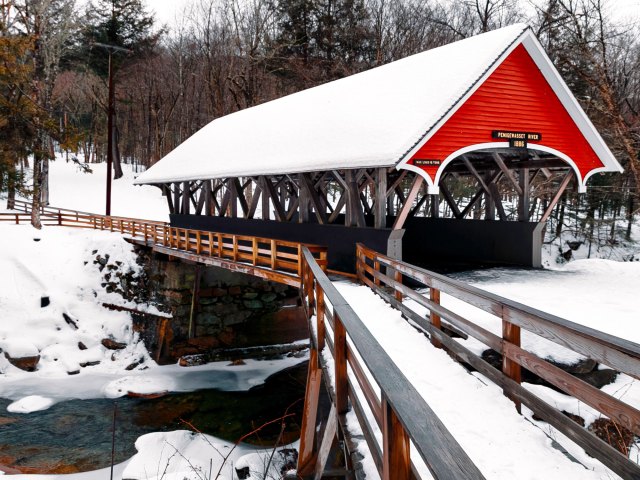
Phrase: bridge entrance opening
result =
(491, 208)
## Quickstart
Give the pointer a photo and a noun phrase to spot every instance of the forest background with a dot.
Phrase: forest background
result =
(221, 56)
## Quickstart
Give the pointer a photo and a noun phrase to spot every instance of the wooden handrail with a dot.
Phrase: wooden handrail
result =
(397, 409)
(269, 258)
(623, 355)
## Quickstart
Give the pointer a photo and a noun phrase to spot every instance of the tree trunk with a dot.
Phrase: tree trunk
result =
(37, 192)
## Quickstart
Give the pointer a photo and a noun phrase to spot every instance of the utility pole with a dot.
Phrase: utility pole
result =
(110, 114)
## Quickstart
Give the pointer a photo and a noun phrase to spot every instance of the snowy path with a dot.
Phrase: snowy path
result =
(503, 444)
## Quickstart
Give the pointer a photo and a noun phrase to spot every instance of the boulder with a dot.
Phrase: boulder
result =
(582, 366)
(111, 344)
(28, 364)
(599, 378)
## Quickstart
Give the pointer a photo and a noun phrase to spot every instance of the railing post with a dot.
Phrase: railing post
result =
(235, 248)
(210, 235)
(198, 242)
(254, 251)
(274, 255)
(324, 264)
(220, 250)
(434, 293)
(511, 334)
(376, 267)
(306, 459)
(340, 358)
(59, 218)
(300, 260)
(396, 459)
(397, 276)
(320, 326)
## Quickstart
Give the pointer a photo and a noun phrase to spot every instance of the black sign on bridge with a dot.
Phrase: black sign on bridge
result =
(517, 139)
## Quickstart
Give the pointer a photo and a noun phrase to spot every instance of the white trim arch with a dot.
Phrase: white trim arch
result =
(433, 184)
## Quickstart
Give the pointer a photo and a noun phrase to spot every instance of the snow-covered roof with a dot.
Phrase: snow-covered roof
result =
(371, 119)
(377, 118)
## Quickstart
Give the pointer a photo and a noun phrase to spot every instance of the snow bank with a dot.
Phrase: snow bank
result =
(71, 188)
(185, 455)
(67, 334)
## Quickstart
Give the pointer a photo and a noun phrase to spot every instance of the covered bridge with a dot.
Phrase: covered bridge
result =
(465, 131)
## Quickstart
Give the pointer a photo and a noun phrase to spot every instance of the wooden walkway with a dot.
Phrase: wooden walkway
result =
(361, 368)
(363, 378)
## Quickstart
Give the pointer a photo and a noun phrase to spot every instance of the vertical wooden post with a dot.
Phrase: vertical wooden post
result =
(435, 318)
(320, 326)
(306, 459)
(198, 242)
(254, 250)
(397, 276)
(208, 211)
(310, 291)
(176, 197)
(220, 250)
(324, 264)
(511, 334)
(435, 205)
(210, 234)
(299, 260)
(523, 204)
(146, 233)
(396, 460)
(340, 358)
(380, 212)
(186, 201)
(376, 267)
(235, 248)
(303, 200)
(274, 256)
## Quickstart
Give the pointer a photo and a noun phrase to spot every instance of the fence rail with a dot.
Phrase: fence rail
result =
(385, 276)
(399, 411)
(277, 260)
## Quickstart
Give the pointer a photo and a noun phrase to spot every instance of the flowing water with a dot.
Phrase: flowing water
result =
(76, 435)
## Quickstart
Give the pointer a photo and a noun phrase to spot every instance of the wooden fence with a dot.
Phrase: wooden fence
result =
(399, 411)
(385, 276)
(268, 258)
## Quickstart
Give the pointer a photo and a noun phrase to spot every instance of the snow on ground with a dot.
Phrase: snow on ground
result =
(70, 187)
(186, 455)
(503, 444)
(601, 294)
(59, 265)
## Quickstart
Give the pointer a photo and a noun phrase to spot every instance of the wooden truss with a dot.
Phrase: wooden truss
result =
(375, 197)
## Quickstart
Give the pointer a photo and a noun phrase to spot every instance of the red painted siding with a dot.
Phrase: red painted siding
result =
(515, 97)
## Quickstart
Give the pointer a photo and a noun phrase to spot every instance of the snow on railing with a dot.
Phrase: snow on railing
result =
(385, 276)
(399, 411)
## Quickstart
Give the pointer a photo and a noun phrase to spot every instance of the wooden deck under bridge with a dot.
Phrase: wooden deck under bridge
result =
(271, 259)
(363, 378)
